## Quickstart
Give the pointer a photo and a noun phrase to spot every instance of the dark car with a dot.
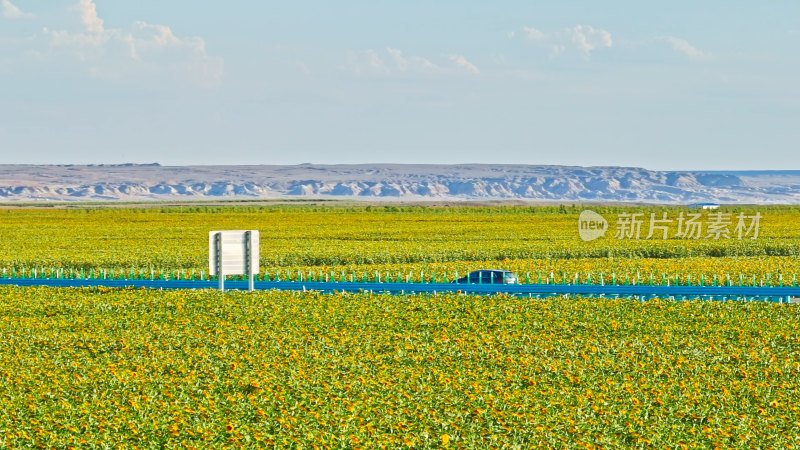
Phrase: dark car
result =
(488, 277)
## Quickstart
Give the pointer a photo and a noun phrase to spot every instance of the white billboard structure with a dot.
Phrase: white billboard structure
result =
(233, 252)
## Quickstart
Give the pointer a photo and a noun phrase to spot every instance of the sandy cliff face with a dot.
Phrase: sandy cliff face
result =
(393, 181)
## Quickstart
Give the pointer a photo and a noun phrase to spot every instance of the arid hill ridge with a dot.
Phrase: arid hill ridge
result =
(393, 182)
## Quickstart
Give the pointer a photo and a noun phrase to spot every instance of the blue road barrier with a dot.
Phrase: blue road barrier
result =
(776, 294)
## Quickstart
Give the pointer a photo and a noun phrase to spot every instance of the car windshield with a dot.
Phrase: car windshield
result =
(490, 277)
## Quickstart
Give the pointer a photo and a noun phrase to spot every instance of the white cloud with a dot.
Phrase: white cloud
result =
(81, 42)
(414, 64)
(11, 11)
(365, 62)
(588, 38)
(580, 39)
(585, 40)
(143, 49)
(303, 67)
(532, 33)
(683, 46)
(146, 38)
(462, 62)
(392, 61)
(91, 21)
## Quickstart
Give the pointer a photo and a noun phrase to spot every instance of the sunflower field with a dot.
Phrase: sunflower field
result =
(98, 367)
(387, 242)
(199, 369)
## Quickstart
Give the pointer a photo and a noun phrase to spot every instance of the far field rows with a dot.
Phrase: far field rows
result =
(390, 241)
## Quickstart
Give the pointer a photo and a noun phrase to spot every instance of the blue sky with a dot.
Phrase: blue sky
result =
(669, 85)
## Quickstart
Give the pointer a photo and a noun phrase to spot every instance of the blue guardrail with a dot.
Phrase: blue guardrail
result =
(774, 293)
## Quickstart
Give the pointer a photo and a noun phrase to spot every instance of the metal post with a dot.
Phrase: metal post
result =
(248, 259)
(220, 276)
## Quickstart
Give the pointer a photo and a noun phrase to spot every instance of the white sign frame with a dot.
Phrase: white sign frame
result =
(233, 252)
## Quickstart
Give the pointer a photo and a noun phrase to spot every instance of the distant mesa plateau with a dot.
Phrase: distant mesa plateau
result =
(413, 182)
